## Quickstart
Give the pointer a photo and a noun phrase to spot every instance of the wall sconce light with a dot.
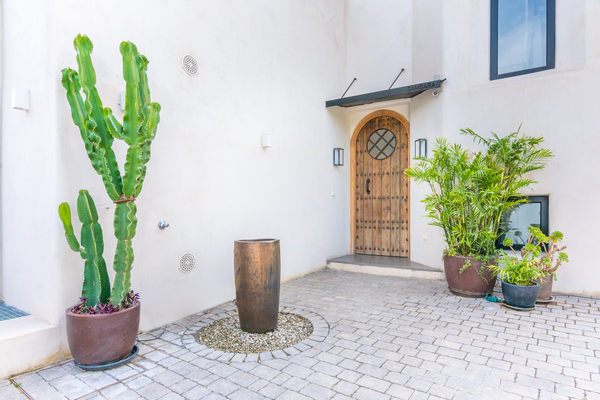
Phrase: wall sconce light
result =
(338, 157)
(421, 148)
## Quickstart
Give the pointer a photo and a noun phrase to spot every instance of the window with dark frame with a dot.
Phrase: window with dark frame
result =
(515, 222)
(522, 37)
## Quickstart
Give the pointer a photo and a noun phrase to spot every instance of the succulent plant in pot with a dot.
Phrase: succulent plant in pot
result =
(469, 194)
(533, 270)
(103, 328)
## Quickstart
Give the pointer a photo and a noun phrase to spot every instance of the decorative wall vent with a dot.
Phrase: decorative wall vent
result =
(189, 65)
(187, 263)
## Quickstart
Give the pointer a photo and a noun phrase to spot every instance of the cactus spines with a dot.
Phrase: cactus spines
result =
(98, 128)
(96, 287)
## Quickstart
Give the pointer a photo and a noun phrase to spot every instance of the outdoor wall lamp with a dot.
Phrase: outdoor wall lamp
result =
(338, 157)
(421, 148)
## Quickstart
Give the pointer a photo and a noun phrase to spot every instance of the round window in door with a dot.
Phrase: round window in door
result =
(381, 144)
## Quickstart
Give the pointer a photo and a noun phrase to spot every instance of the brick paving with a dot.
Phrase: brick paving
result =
(375, 337)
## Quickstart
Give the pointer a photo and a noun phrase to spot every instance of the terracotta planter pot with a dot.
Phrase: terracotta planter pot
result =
(520, 296)
(96, 339)
(257, 280)
(468, 283)
(546, 287)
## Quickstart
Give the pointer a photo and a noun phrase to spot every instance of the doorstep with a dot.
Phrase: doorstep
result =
(383, 265)
(27, 343)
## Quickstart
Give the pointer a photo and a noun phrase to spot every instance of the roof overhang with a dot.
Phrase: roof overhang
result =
(405, 92)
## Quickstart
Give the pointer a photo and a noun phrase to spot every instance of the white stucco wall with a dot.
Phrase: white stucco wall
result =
(452, 39)
(266, 67)
(557, 104)
(379, 44)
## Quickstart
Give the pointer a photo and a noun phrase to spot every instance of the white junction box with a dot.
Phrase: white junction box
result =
(266, 140)
(20, 99)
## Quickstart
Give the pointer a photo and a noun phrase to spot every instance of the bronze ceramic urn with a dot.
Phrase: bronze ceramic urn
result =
(257, 266)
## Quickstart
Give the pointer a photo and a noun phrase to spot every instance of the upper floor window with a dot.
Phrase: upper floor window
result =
(522, 39)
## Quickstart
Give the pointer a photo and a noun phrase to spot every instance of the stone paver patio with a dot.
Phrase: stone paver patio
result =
(375, 337)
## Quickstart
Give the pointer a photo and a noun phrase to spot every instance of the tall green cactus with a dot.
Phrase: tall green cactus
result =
(98, 128)
(96, 287)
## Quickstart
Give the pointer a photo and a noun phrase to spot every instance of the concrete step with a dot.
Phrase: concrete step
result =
(27, 343)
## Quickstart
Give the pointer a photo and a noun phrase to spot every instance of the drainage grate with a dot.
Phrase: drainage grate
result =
(187, 263)
(189, 65)
(8, 312)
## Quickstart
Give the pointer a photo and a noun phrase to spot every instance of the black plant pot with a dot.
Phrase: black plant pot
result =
(520, 296)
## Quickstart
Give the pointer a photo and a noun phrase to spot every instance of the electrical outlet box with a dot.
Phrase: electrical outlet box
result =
(266, 140)
(20, 99)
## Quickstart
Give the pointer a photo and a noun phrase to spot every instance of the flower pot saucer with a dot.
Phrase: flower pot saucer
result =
(505, 304)
(544, 301)
(111, 365)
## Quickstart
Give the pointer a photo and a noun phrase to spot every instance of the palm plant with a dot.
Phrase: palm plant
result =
(471, 191)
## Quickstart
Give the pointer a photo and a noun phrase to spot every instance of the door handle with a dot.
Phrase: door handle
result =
(368, 190)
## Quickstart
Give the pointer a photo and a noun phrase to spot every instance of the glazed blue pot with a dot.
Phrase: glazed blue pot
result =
(520, 296)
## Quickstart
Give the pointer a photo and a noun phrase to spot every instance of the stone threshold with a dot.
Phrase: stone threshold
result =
(385, 266)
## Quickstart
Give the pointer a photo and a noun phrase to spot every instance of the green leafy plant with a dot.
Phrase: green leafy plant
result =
(540, 256)
(98, 128)
(471, 191)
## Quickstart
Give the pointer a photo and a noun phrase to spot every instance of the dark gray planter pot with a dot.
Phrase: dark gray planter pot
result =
(520, 296)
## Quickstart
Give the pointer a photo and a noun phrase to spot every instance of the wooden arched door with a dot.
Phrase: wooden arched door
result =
(380, 188)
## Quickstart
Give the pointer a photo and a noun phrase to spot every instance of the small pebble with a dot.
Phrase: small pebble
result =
(226, 335)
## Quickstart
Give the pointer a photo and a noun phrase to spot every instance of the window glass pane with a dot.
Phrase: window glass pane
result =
(381, 144)
(521, 35)
(517, 221)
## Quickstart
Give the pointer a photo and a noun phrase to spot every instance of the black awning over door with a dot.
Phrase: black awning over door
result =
(405, 92)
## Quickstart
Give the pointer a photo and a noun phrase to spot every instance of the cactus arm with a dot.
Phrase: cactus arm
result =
(133, 169)
(144, 158)
(96, 123)
(143, 88)
(148, 129)
(70, 82)
(87, 80)
(132, 120)
(64, 213)
(96, 288)
(114, 127)
(107, 163)
(150, 124)
(125, 226)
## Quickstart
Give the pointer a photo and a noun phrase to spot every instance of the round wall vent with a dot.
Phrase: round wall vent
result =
(189, 65)
(187, 263)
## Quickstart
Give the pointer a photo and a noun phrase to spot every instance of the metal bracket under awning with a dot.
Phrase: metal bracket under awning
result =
(405, 92)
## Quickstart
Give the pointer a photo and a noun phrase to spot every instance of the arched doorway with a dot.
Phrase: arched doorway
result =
(379, 189)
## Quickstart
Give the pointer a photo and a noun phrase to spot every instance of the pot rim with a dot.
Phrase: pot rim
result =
(490, 261)
(512, 284)
(257, 240)
(72, 314)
